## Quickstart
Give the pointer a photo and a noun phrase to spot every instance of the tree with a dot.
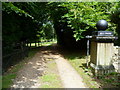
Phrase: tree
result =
(115, 18)
(82, 17)
(79, 19)
(21, 22)
(71, 21)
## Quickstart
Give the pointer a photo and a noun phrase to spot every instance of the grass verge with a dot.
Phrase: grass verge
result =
(51, 78)
(7, 78)
(84, 72)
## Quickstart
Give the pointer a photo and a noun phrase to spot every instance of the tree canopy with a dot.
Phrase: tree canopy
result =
(71, 20)
(83, 16)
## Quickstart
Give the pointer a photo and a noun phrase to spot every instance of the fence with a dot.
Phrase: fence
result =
(19, 54)
(40, 43)
(11, 59)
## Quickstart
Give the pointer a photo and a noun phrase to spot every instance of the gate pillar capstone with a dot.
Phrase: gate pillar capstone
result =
(102, 49)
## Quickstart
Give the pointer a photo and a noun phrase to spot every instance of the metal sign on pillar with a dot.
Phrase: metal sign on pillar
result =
(101, 49)
(88, 48)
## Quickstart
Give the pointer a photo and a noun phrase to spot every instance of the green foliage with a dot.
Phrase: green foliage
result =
(115, 18)
(83, 16)
(27, 20)
(79, 17)
(110, 79)
(21, 22)
(9, 7)
(47, 30)
(115, 14)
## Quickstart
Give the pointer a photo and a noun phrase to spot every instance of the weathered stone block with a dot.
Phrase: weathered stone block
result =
(101, 53)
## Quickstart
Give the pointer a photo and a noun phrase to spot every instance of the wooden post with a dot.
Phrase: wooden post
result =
(27, 43)
(38, 43)
(30, 44)
(35, 44)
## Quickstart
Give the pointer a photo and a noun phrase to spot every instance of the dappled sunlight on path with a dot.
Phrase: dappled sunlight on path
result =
(28, 76)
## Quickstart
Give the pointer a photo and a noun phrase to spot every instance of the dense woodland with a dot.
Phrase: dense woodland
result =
(33, 21)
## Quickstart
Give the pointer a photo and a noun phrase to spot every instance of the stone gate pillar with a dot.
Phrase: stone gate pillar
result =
(102, 49)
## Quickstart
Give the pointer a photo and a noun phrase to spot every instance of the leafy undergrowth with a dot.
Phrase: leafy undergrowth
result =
(110, 80)
(78, 61)
(7, 78)
(51, 78)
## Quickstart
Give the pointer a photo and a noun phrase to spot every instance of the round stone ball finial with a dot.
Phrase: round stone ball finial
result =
(102, 25)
